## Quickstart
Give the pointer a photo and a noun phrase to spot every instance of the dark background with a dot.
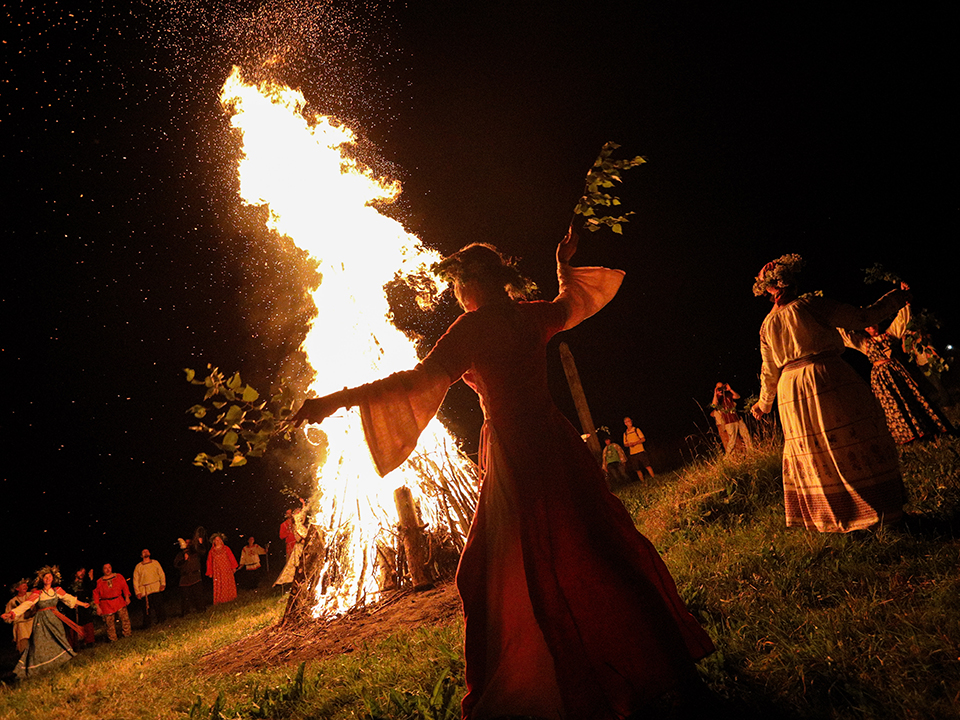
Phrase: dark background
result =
(794, 128)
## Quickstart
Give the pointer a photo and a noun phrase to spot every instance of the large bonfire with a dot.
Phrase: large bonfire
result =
(321, 198)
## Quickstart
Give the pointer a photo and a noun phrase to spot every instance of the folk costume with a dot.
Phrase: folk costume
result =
(250, 565)
(221, 564)
(191, 576)
(111, 596)
(48, 646)
(909, 414)
(295, 540)
(287, 534)
(730, 425)
(82, 588)
(570, 612)
(149, 582)
(840, 466)
(22, 624)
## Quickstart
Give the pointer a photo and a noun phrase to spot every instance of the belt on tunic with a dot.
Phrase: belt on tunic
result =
(809, 360)
(884, 361)
(64, 618)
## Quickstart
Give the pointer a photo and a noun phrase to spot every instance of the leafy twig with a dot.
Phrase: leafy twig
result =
(236, 420)
(604, 174)
(876, 273)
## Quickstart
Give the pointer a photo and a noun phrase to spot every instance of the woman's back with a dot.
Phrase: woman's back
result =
(500, 352)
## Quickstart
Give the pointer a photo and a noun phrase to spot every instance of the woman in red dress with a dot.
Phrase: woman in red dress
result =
(570, 612)
(221, 565)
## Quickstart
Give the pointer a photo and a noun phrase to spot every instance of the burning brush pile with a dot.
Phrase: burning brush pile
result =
(363, 535)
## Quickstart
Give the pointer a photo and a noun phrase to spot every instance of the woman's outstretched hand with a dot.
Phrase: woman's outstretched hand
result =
(757, 411)
(315, 410)
(567, 246)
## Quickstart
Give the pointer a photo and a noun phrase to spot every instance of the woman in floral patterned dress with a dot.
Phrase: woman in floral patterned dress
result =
(910, 415)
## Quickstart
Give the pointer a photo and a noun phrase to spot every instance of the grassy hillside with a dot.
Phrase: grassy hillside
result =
(865, 625)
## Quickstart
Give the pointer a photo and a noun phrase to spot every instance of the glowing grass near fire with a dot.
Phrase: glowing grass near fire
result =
(324, 201)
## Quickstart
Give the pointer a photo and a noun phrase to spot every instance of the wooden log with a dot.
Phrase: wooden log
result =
(580, 400)
(414, 542)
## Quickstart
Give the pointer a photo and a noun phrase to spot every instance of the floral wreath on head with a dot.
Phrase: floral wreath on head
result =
(16, 586)
(218, 535)
(779, 273)
(53, 570)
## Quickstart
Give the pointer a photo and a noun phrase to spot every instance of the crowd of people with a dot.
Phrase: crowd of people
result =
(45, 637)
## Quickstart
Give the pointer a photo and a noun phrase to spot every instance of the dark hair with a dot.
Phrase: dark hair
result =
(485, 264)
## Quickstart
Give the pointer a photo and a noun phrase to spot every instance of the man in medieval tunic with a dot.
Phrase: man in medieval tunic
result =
(22, 625)
(149, 582)
(111, 596)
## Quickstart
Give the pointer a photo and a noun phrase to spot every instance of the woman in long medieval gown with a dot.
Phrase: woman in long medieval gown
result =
(910, 414)
(570, 612)
(841, 471)
(222, 566)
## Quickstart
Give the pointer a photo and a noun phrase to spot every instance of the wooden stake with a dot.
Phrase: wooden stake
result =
(414, 541)
(580, 400)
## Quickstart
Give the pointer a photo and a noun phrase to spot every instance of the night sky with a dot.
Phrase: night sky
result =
(791, 128)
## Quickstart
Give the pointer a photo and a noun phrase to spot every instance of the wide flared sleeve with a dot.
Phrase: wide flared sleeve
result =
(898, 328)
(855, 340)
(395, 411)
(585, 290)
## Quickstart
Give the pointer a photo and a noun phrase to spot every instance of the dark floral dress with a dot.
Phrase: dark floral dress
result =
(910, 415)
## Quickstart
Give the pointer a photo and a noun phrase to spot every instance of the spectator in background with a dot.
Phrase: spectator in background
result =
(22, 624)
(221, 566)
(614, 463)
(111, 596)
(637, 458)
(250, 564)
(286, 531)
(149, 582)
(81, 587)
(191, 577)
(729, 423)
(298, 521)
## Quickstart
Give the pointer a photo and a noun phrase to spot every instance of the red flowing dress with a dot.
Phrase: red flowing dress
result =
(569, 610)
(221, 565)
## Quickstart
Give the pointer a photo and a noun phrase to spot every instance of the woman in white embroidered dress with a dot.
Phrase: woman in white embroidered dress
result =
(840, 466)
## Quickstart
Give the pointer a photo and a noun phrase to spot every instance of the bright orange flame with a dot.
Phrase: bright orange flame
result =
(322, 200)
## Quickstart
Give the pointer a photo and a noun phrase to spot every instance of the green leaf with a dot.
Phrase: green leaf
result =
(191, 374)
(238, 460)
(249, 394)
(235, 382)
(618, 229)
(234, 415)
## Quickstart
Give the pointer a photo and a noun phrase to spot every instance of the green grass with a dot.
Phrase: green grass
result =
(807, 625)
